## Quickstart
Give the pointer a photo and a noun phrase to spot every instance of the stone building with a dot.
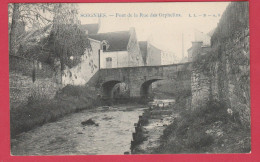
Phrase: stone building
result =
(200, 36)
(107, 50)
(202, 41)
(118, 49)
(154, 56)
(197, 46)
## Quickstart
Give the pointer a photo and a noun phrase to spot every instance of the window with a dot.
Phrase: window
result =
(109, 59)
(108, 62)
(104, 48)
(104, 45)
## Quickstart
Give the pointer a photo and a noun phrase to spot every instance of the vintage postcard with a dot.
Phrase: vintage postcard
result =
(129, 78)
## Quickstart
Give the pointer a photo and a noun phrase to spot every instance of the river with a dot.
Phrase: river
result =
(68, 136)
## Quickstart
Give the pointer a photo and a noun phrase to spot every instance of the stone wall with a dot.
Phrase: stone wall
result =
(30, 80)
(223, 73)
(200, 88)
(231, 43)
(25, 66)
(87, 67)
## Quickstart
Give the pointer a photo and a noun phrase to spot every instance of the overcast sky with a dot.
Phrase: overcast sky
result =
(164, 32)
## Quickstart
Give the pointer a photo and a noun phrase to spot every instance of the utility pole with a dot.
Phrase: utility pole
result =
(182, 46)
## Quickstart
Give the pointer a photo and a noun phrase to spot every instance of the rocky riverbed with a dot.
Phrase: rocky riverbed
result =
(157, 119)
(111, 133)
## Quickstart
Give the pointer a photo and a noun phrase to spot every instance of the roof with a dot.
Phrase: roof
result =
(117, 41)
(143, 48)
(154, 47)
(91, 28)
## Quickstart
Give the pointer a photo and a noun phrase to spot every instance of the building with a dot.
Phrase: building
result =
(167, 58)
(202, 37)
(155, 56)
(143, 49)
(202, 42)
(189, 54)
(118, 49)
(197, 49)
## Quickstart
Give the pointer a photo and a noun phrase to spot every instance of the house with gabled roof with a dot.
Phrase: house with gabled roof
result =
(118, 49)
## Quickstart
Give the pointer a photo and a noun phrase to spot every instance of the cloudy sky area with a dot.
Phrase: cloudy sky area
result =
(165, 33)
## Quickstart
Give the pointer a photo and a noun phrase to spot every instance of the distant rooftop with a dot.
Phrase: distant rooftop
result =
(117, 41)
(91, 28)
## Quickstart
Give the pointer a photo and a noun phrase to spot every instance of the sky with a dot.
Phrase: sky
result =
(163, 24)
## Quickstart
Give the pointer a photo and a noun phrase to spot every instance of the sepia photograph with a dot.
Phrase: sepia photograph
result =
(129, 78)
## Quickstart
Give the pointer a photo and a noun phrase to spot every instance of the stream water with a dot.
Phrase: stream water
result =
(68, 136)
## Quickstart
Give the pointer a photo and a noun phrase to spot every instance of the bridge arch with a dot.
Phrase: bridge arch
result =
(139, 79)
(107, 88)
(114, 89)
(144, 90)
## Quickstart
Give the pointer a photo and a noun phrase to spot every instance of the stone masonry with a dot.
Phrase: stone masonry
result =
(30, 80)
(225, 75)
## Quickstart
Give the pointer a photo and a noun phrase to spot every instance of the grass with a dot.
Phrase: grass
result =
(40, 111)
(209, 129)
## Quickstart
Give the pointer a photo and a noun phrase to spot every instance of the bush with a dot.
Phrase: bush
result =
(197, 139)
(187, 134)
(37, 112)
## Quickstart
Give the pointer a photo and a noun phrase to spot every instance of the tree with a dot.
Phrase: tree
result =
(65, 39)
(68, 40)
(25, 14)
(62, 17)
(13, 28)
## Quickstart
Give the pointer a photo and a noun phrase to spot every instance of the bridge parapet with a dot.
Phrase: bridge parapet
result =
(140, 78)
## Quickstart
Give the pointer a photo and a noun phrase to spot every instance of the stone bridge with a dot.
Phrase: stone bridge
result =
(140, 78)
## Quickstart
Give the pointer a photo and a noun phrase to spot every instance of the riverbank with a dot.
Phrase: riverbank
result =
(210, 129)
(150, 128)
(38, 112)
(176, 129)
(68, 100)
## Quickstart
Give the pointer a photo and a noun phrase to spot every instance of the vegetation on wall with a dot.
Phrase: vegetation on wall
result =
(222, 125)
(68, 46)
(233, 19)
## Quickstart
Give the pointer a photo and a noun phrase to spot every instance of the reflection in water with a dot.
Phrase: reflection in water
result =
(68, 136)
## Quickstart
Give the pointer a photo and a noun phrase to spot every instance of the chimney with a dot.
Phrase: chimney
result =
(99, 23)
(196, 48)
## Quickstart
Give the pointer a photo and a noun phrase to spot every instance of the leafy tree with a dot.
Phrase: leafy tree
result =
(69, 40)
(33, 16)
(65, 39)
